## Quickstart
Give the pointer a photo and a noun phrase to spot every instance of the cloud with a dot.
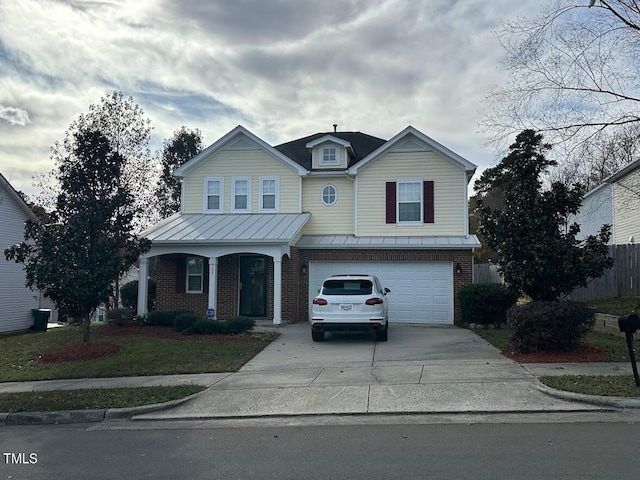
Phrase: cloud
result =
(14, 116)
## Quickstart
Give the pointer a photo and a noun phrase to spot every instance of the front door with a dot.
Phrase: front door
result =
(253, 286)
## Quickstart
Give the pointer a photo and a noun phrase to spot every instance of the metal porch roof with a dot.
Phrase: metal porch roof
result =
(232, 228)
(422, 243)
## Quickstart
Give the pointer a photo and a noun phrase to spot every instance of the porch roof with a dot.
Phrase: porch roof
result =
(227, 229)
(422, 243)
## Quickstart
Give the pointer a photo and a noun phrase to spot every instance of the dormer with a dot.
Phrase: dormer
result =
(330, 152)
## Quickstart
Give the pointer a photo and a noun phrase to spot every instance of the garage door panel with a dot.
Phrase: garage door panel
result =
(421, 292)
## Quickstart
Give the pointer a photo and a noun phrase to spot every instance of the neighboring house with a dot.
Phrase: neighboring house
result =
(16, 300)
(260, 227)
(615, 202)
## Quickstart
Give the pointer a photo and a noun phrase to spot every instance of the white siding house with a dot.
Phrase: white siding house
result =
(596, 211)
(16, 301)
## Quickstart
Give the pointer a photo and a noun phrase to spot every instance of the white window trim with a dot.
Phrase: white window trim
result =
(187, 275)
(322, 194)
(322, 161)
(277, 194)
(205, 203)
(421, 190)
(233, 195)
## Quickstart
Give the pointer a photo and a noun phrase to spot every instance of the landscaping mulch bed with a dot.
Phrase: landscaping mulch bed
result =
(586, 353)
(74, 353)
(170, 333)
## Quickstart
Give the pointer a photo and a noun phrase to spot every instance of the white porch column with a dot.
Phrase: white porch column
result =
(213, 278)
(277, 290)
(143, 282)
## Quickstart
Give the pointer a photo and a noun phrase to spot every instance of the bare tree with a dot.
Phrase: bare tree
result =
(573, 74)
(128, 131)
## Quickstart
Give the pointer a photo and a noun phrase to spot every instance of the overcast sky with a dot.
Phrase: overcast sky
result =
(283, 69)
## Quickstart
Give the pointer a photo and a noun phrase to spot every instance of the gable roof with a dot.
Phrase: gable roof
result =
(5, 187)
(623, 172)
(239, 130)
(450, 155)
(361, 143)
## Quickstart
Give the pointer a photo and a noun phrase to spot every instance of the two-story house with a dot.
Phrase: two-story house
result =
(261, 226)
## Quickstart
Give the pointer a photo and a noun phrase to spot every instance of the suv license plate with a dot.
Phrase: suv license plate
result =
(346, 307)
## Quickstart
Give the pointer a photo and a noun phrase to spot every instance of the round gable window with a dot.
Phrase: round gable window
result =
(329, 194)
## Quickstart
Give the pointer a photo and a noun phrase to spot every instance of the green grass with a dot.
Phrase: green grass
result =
(93, 398)
(607, 385)
(616, 347)
(615, 306)
(138, 355)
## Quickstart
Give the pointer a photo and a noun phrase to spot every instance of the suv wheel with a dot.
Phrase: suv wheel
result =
(317, 336)
(382, 335)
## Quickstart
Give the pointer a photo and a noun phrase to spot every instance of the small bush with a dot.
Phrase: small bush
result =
(548, 326)
(121, 316)
(184, 322)
(485, 303)
(238, 325)
(164, 318)
(204, 326)
(129, 294)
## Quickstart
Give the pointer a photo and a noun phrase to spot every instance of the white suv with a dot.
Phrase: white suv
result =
(350, 302)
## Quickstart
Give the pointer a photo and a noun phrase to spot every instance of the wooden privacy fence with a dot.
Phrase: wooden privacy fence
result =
(486, 273)
(622, 280)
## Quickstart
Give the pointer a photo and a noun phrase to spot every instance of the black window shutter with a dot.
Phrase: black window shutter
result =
(181, 273)
(428, 201)
(391, 202)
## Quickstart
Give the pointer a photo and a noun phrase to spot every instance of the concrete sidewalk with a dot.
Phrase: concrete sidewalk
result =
(419, 370)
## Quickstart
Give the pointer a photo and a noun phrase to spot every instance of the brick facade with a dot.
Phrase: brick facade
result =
(295, 279)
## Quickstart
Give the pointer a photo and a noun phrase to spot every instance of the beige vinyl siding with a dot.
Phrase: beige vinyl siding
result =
(626, 210)
(328, 220)
(242, 163)
(449, 194)
(317, 152)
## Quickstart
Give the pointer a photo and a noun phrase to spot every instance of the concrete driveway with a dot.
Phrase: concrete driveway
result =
(420, 369)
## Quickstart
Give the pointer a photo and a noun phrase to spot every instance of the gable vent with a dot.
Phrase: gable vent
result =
(241, 143)
(411, 145)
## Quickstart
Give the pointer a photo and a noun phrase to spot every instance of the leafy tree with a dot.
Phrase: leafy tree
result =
(538, 252)
(184, 145)
(123, 124)
(74, 259)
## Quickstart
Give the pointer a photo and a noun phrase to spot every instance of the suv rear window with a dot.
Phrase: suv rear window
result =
(347, 287)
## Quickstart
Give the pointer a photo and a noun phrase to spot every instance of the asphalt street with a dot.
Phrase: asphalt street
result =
(591, 449)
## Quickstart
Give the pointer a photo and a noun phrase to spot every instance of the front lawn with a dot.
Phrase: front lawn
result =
(607, 385)
(92, 398)
(138, 351)
(615, 306)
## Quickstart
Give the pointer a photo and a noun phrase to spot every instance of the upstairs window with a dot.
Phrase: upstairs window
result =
(268, 194)
(410, 201)
(329, 156)
(329, 194)
(195, 268)
(213, 195)
(241, 195)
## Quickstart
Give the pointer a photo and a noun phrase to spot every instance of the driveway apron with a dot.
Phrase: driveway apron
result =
(420, 369)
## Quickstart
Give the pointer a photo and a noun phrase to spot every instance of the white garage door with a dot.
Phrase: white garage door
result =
(421, 292)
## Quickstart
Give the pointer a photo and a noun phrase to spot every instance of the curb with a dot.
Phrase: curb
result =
(87, 416)
(616, 402)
